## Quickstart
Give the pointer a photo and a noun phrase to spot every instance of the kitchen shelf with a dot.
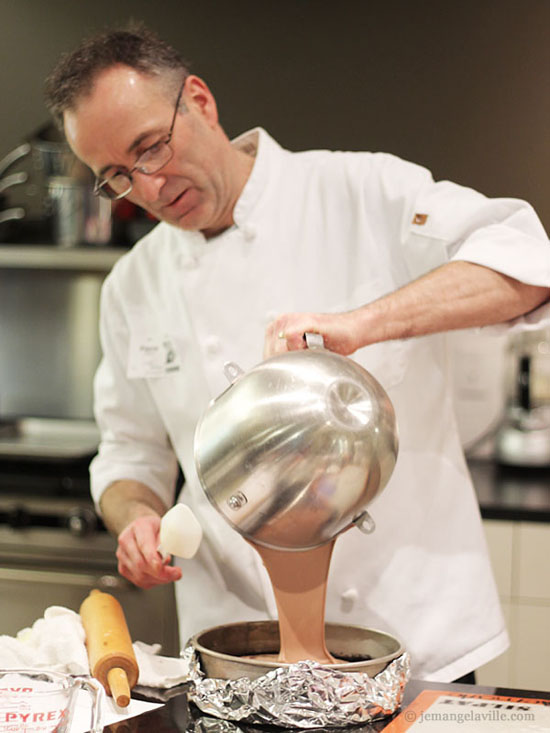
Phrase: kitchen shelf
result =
(87, 258)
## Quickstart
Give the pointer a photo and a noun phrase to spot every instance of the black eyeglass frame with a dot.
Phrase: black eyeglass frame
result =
(101, 184)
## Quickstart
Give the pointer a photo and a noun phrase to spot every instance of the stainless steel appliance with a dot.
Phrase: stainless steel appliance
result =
(49, 342)
(523, 439)
(54, 549)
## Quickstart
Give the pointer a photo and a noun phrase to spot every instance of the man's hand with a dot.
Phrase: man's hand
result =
(132, 513)
(286, 333)
(138, 558)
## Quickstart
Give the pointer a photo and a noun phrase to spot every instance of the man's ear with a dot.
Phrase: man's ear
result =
(197, 95)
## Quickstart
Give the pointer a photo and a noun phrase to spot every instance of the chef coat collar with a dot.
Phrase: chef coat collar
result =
(258, 143)
(265, 150)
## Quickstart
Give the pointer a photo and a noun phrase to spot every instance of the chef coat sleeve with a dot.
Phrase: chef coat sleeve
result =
(444, 222)
(134, 444)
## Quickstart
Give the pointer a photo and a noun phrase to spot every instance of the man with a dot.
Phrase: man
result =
(363, 248)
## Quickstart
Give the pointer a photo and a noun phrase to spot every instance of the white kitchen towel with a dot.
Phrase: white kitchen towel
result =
(57, 642)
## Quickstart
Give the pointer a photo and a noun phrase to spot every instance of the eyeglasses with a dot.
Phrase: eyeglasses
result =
(120, 183)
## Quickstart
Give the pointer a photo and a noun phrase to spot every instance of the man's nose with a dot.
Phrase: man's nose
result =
(148, 186)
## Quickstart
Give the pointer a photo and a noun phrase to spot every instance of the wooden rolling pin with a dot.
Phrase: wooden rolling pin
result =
(110, 652)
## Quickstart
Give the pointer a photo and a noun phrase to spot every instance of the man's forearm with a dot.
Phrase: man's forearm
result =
(124, 501)
(454, 296)
(457, 295)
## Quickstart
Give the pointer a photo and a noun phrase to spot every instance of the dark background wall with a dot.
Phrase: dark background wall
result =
(461, 87)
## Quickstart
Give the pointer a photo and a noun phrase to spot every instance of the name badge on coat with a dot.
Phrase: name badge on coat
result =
(152, 356)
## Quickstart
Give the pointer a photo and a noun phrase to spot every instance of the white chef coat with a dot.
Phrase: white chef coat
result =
(316, 231)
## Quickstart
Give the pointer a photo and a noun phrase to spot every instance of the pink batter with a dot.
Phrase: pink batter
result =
(299, 581)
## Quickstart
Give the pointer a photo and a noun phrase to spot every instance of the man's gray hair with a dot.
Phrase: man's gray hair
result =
(135, 46)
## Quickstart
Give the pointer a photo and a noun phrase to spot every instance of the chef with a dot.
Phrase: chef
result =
(256, 246)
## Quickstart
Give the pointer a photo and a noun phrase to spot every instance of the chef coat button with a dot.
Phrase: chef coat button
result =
(349, 598)
(212, 345)
(190, 262)
(249, 232)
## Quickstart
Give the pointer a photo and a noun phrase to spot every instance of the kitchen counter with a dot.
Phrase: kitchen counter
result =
(177, 716)
(513, 493)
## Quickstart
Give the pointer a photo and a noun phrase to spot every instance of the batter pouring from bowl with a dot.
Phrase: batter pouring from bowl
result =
(299, 581)
(291, 454)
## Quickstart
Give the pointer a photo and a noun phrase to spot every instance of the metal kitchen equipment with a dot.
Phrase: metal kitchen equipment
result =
(523, 439)
(49, 306)
(67, 197)
(225, 650)
(53, 547)
(295, 449)
(46, 195)
(25, 173)
(230, 686)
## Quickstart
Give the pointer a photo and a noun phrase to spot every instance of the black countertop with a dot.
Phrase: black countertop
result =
(178, 716)
(509, 492)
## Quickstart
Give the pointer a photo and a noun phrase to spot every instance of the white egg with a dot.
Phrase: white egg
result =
(180, 532)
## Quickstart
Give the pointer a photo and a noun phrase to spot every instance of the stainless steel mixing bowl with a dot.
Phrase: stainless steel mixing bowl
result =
(223, 650)
(295, 449)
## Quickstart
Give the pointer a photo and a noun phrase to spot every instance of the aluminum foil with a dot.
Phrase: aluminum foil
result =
(301, 695)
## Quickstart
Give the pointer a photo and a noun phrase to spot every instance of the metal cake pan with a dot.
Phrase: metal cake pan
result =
(223, 649)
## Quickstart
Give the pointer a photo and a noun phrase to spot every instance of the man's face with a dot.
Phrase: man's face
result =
(126, 113)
